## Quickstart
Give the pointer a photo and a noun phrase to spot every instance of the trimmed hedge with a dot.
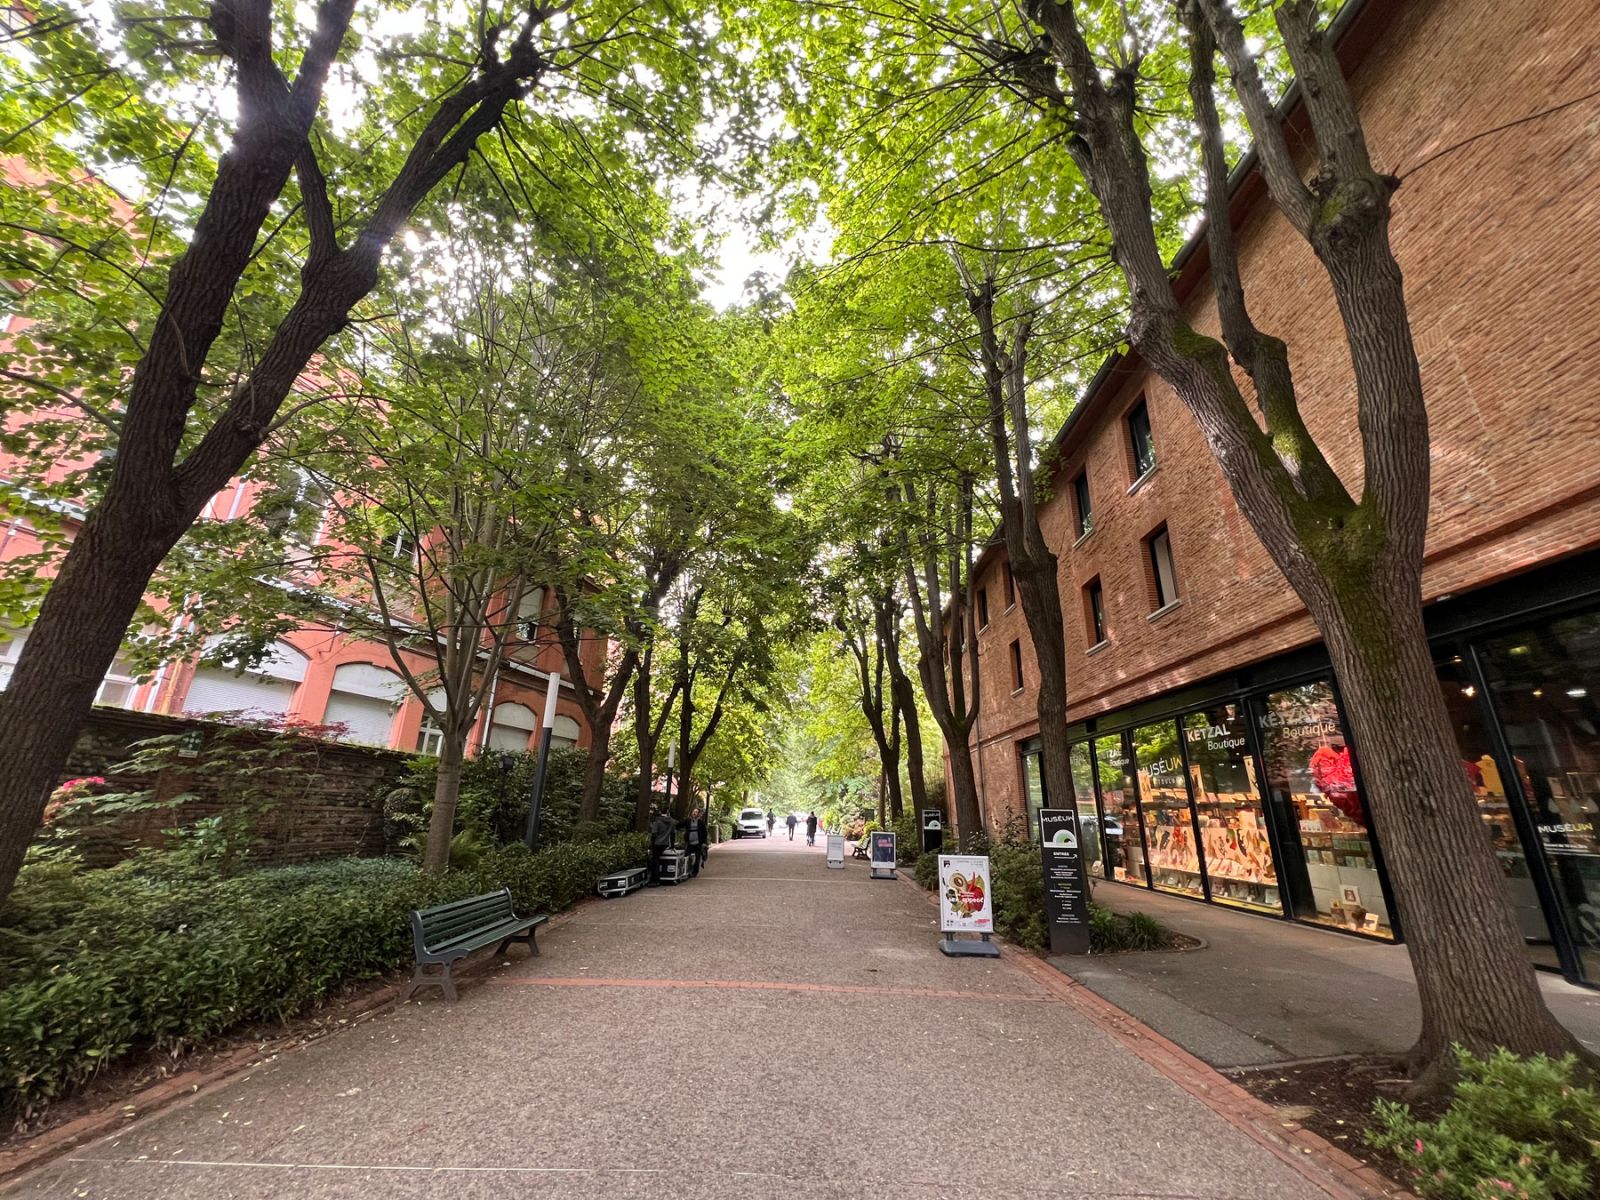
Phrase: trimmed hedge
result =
(155, 955)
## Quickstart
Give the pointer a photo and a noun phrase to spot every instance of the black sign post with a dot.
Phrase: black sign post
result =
(1066, 888)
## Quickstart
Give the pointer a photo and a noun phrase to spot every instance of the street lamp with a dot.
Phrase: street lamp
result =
(672, 762)
(546, 732)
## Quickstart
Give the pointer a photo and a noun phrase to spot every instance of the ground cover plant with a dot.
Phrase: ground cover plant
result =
(160, 952)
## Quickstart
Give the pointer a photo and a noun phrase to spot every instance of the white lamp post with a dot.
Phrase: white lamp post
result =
(546, 732)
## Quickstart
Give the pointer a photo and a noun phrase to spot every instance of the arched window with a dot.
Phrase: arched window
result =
(364, 699)
(565, 732)
(268, 687)
(511, 727)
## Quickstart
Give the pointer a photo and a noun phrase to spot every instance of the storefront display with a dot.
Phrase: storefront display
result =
(1312, 780)
(1123, 848)
(1032, 783)
(1544, 687)
(1462, 701)
(1234, 840)
(1088, 812)
(1169, 831)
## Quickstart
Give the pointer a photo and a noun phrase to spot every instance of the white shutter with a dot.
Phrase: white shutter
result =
(364, 698)
(565, 732)
(218, 689)
(512, 727)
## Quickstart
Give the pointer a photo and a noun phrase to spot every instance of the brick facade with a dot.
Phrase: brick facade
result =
(1491, 236)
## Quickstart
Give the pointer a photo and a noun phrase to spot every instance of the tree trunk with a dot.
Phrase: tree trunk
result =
(594, 774)
(70, 648)
(964, 785)
(1477, 986)
(905, 697)
(446, 791)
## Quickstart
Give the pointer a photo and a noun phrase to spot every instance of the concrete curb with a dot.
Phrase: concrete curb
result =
(1313, 1157)
(187, 1086)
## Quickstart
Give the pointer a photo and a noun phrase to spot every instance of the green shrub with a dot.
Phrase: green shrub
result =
(157, 953)
(1113, 932)
(1017, 885)
(1518, 1128)
(927, 871)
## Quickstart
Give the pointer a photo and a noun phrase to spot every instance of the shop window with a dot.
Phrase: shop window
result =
(1545, 687)
(1124, 848)
(1234, 842)
(1163, 579)
(1141, 440)
(1489, 786)
(1168, 819)
(983, 608)
(1011, 588)
(1016, 666)
(1032, 763)
(1330, 872)
(1088, 813)
(1082, 505)
(1094, 611)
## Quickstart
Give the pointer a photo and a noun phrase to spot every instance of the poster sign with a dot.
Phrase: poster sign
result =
(964, 894)
(1066, 888)
(836, 850)
(882, 850)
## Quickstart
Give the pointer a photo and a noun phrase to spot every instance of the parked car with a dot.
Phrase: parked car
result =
(751, 822)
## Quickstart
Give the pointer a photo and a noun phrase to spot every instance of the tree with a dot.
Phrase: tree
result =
(183, 406)
(1355, 563)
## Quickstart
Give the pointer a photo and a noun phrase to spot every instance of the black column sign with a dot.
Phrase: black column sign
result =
(1066, 890)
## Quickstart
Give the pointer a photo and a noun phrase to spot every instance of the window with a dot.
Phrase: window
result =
(1011, 587)
(1094, 611)
(529, 612)
(430, 738)
(1114, 789)
(1169, 833)
(402, 546)
(1141, 440)
(1083, 507)
(1233, 824)
(1016, 666)
(119, 685)
(983, 608)
(1163, 579)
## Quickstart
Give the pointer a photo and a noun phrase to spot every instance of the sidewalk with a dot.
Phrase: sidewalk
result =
(772, 1029)
(1265, 990)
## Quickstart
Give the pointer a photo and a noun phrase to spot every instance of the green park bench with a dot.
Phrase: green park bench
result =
(448, 932)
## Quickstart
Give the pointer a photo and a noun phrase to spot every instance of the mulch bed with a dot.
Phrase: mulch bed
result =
(1334, 1098)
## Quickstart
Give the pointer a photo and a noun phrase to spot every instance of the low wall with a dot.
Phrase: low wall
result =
(326, 800)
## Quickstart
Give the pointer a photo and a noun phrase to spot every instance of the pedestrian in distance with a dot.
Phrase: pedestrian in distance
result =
(663, 832)
(811, 830)
(771, 821)
(793, 821)
(695, 839)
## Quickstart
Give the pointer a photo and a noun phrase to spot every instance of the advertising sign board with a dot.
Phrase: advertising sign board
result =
(883, 858)
(836, 850)
(964, 900)
(1066, 888)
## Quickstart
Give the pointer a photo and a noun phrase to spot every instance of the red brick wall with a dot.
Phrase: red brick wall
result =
(1494, 240)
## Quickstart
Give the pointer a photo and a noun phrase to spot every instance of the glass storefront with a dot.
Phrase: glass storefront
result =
(1088, 811)
(1032, 784)
(1465, 706)
(1169, 834)
(1120, 808)
(1330, 867)
(1544, 692)
(1234, 840)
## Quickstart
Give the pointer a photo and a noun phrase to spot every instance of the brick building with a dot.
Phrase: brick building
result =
(1207, 740)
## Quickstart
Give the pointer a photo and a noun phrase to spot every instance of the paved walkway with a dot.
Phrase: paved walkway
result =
(1266, 990)
(773, 1029)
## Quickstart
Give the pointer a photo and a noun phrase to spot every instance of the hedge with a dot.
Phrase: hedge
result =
(99, 965)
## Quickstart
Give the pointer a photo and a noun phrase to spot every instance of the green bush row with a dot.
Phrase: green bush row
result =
(156, 955)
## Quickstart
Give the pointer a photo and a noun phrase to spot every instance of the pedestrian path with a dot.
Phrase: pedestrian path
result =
(771, 1029)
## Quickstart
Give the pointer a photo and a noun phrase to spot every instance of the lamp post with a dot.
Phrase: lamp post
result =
(672, 762)
(546, 732)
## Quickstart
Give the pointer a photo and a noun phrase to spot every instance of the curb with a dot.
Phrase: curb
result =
(187, 1086)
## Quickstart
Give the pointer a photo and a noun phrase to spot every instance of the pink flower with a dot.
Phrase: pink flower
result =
(1419, 1145)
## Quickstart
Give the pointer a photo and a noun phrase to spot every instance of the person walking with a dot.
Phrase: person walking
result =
(793, 821)
(811, 829)
(771, 821)
(695, 838)
(663, 832)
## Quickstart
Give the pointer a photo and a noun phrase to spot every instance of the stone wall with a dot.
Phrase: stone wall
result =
(320, 800)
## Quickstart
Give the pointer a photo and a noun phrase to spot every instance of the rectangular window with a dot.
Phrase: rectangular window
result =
(1233, 823)
(1114, 784)
(402, 545)
(1169, 837)
(1142, 441)
(1163, 579)
(983, 608)
(1016, 666)
(1083, 506)
(1011, 587)
(1094, 611)
(530, 612)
